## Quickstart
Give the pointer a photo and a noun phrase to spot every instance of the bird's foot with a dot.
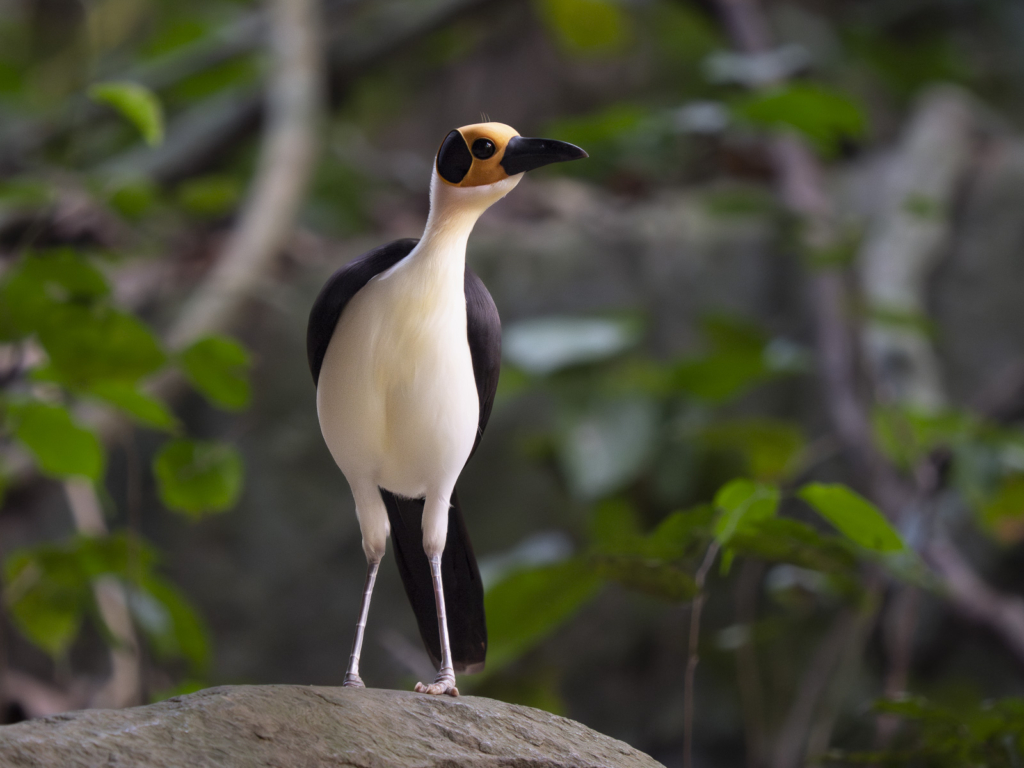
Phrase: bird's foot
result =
(353, 680)
(444, 683)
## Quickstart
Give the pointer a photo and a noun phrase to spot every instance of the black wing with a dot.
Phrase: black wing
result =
(339, 289)
(483, 327)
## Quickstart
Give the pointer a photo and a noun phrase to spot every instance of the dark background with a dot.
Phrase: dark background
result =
(674, 219)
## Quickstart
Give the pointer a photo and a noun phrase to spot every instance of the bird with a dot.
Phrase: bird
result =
(404, 345)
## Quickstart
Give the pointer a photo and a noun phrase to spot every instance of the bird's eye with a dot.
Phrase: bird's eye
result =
(483, 148)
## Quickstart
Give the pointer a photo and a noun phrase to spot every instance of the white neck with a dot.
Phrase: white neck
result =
(453, 214)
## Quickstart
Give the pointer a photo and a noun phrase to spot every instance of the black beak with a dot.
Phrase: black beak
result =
(522, 154)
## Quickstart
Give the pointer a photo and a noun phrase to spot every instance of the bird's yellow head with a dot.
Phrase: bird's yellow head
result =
(486, 153)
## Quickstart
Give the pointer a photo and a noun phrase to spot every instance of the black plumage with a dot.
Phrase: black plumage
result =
(483, 327)
(339, 290)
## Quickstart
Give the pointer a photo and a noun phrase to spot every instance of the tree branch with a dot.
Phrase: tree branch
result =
(789, 744)
(819, 734)
(124, 686)
(693, 654)
(974, 598)
(905, 242)
(900, 249)
(286, 161)
(748, 675)
(294, 102)
(203, 132)
(803, 190)
(900, 622)
(934, 158)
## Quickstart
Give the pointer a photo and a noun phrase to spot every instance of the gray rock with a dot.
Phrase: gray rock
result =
(290, 725)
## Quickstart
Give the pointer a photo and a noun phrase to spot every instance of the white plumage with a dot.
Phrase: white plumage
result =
(397, 399)
(404, 345)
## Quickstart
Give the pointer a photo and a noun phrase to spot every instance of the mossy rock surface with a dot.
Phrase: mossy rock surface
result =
(307, 726)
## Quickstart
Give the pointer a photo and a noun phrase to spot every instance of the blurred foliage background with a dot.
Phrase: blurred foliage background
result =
(763, 374)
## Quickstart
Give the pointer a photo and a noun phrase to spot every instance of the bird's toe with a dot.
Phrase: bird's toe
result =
(353, 681)
(437, 689)
(443, 684)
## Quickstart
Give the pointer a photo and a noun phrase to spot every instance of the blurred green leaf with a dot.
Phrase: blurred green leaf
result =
(450, 44)
(170, 622)
(137, 104)
(210, 196)
(539, 549)
(680, 534)
(598, 128)
(24, 192)
(97, 556)
(40, 282)
(740, 503)
(49, 590)
(607, 446)
(50, 618)
(529, 605)
(586, 26)
(62, 298)
(965, 733)
(906, 320)
(133, 198)
(615, 531)
(922, 206)
(1003, 513)
(906, 64)
(11, 78)
(338, 204)
(538, 688)
(546, 345)
(854, 516)
(48, 586)
(769, 447)
(115, 554)
(683, 33)
(739, 201)
(614, 526)
(741, 356)
(91, 344)
(61, 447)
(622, 138)
(824, 116)
(173, 35)
(735, 334)
(907, 435)
(512, 383)
(651, 577)
(720, 375)
(780, 540)
(145, 410)
(218, 367)
(235, 73)
(196, 476)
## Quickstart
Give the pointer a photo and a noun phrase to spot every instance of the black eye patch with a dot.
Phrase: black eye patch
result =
(453, 158)
(483, 148)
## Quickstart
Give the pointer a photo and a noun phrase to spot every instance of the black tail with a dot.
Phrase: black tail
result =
(463, 590)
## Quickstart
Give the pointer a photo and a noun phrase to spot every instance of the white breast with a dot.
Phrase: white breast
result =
(396, 397)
